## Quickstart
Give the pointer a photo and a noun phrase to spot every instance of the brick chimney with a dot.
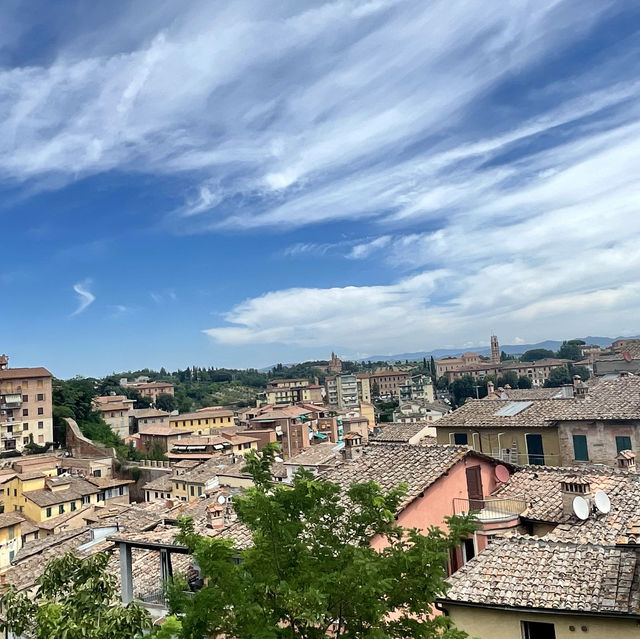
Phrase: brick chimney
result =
(352, 446)
(490, 387)
(4, 362)
(627, 460)
(580, 389)
(572, 487)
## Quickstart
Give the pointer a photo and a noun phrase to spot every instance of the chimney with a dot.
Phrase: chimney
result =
(215, 515)
(490, 387)
(4, 362)
(572, 487)
(580, 389)
(352, 446)
(627, 460)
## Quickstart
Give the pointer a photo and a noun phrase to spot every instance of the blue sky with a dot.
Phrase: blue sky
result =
(237, 184)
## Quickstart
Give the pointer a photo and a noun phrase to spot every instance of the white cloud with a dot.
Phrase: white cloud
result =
(85, 297)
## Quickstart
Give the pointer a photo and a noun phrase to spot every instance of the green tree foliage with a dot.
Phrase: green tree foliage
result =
(385, 410)
(463, 387)
(311, 571)
(570, 350)
(583, 371)
(74, 600)
(524, 382)
(504, 357)
(558, 377)
(510, 378)
(535, 354)
(167, 402)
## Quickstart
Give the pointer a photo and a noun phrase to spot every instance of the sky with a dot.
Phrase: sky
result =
(246, 183)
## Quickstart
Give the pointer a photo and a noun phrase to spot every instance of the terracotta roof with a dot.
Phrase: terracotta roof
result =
(540, 363)
(242, 537)
(108, 399)
(482, 413)
(142, 413)
(529, 572)
(163, 430)
(24, 373)
(161, 484)
(109, 482)
(77, 489)
(10, 519)
(540, 486)
(399, 432)
(392, 464)
(203, 413)
(317, 455)
(527, 393)
(284, 412)
(617, 398)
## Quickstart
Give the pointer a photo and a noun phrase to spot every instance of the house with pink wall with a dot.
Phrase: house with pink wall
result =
(443, 480)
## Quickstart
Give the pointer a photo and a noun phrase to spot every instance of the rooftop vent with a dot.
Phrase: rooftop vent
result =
(627, 460)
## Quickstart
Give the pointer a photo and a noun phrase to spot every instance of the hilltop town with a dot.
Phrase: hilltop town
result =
(541, 448)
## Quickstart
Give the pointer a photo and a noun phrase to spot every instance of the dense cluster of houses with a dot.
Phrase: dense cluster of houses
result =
(550, 474)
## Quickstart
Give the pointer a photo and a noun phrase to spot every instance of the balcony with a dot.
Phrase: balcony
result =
(9, 402)
(491, 510)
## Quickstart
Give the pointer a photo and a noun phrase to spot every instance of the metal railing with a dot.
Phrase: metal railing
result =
(524, 459)
(490, 509)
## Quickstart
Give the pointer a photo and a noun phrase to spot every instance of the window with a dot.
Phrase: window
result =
(468, 550)
(156, 495)
(538, 630)
(12, 532)
(15, 492)
(199, 491)
(100, 496)
(86, 499)
(25, 412)
(61, 509)
(460, 439)
(48, 512)
(184, 487)
(97, 473)
(193, 492)
(25, 426)
(623, 442)
(40, 439)
(120, 490)
(40, 397)
(25, 440)
(40, 411)
(40, 425)
(580, 450)
(25, 398)
(12, 554)
(73, 506)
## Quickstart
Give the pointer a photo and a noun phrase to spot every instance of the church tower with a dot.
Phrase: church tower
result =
(495, 350)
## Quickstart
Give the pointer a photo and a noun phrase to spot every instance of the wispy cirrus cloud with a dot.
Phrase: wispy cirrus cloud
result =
(85, 296)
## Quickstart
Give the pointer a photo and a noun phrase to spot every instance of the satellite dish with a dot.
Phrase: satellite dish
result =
(502, 474)
(603, 503)
(627, 356)
(222, 499)
(581, 508)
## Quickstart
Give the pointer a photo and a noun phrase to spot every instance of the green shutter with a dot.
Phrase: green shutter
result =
(580, 450)
(623, 443)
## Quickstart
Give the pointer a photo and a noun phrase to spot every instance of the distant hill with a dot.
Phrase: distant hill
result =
(510, 349)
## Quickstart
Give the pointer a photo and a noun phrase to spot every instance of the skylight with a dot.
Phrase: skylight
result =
(512, 408)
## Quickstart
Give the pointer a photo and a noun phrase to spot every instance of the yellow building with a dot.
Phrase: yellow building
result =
(10, 538)
(42, 498)
(523, 432)
(202, 422)
(525, 587)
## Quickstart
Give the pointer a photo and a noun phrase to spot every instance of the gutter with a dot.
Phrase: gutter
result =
(440, 605)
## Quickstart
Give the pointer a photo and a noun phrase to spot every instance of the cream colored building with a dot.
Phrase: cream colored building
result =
(117, 411)
(26, 412)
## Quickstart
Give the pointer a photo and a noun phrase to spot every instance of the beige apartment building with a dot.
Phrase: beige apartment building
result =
(117, 411)
(348, 391)
(25, 406)
(388, 382)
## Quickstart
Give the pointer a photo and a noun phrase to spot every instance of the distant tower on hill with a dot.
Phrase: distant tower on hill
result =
(335, 365)
(495, 350)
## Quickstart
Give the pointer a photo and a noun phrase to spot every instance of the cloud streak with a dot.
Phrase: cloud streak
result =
(85, 297)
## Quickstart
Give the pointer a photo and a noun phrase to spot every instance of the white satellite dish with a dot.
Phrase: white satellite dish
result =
(581, 508)
(222, 499)
(603, 503)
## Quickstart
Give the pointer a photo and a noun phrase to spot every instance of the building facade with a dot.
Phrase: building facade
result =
(26, 409)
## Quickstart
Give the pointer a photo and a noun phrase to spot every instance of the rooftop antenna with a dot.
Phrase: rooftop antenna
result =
(602, 501)
(222, 499)
(581, 508)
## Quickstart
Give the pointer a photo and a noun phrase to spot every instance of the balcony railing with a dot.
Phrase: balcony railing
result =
(487, 510)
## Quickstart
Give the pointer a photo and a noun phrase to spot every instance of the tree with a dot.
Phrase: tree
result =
(463, 387)
(504, 357)
(311, 572)
(583, 371)
(524, 382)
(535, 354)
(558, 377)
(570, 350)
(510, 378)
(74, 600)
(167, 402)
(433, 367)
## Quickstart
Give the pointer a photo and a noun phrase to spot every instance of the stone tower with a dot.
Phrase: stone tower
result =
(495, 350)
